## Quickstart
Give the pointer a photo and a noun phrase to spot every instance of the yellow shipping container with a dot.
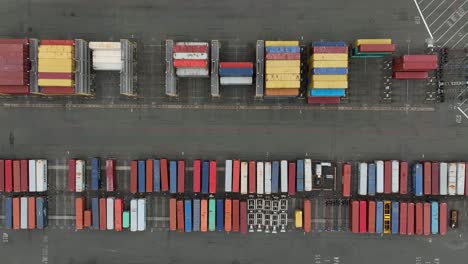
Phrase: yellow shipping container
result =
(55, 55)
(56, 65)
(283, 77)
(373, 41)
(330, 64)
(55, 82)
(271, 43)
(283, 63)
(282, 70)
(282, 84)
(56, 48)
(332, 77)
(330, 56)
(329, 84)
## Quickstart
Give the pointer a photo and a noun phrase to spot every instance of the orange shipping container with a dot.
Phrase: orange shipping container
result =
(79, 208)
(227, 215)
(307, 214)
(102, 214)
(180, 216)
(172, 214)
(371, 217)
(31, 212)
(204, 215)
(16, 213)
(87, 218)
(118, 208)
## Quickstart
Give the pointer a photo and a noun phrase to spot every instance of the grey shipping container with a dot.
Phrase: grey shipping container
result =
(8, 213)
(41, 212)
(196, 215)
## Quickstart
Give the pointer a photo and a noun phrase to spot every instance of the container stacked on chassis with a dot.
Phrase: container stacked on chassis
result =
(235, 73)
(413, 67)
(14, 66)
(191, 59)
(282, 68)
(372, 48)
(328, 77)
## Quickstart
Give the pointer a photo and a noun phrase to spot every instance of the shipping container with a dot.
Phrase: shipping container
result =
(403, 224)
(300, 176)
(219, 215)
(345, 180)
(461, 178)
(95, 174)
(395, 217)
(418, 179)
(403, 177)
(103, 214)
(260, 177)
(443, 218)
(443, 173)
(379, 217)
(173, 176)
(236, 177)
(327, 92)
(419, 58)
(24, 175)
(188, 215)
(41, 176)
(434, 218)
(284, 176)
(190, 48)
(156, 175)
(410, 219)
(281, 92)
(371, 217)
(192, 72)
(292, 178)
(172, 214)
(252, 176)
(452, 178)
(190, 63)
(142, 176)
(149, 175)
(71, 176)
(228, 176)
(377, 47)
(95, 212)
(329, 49)
(31, 212)
(16, 176)
(427, 218)
(110, 213)
(362, 187)
(380, 176)
(211, 215)
(282, 77)
(2, 175)
(228, 215)
(329, 77)
(110, 176)
(331, 71)
(427, 177)
(41, 213)
(196, 176)
(235, 216)
(118, 210)
(371, 177)
(373, 41)
(355, 217)
(275, 176)
(243, 217)
(126, 219)
(330, 56)
(329, 84)
(87, 219)
(387, 228)
(419, 219)
(180, 216)
(414, 66)
(196, 215)
(415, 75)
(244, 178)
(181, 176)
(212, 181)
(387, 177)
(141, 214)
(282, 70)
(16, 213)
(268, 177)
(280, 43)
(330, 64)
(79, 209)
(205, 177)
(204, 215)
(329, 44)
(435, 178)
(24, 212)
(134, 215)
(235, 65)
(190, 56)
(283, 49)
(283, 56)
(8, 176)
(395, 176)
(323, 100)
(362, 216)
(164, 175)
(134, 176)
(8, 212)
(236, 72)
(32, 177)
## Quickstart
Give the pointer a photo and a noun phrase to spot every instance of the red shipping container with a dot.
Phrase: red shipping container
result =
(79, 210)
(377, 48)
(133, 176)
(235, 216)
(72, 175)
(56, 75)
(412, 75)
(57, 90)
(24, 175)
(330, 50)
(362, 216)
(16, 213)
(427, 219)
(443, 218)
(58, 42)
(149, 175)
(419, 219)
(414, 66)
(196, 176)
(172, 214)
(243, 217)
(346, 180)
(435, 178)
(118, 208)
(427, 178)
(252, 177)
(410, 221)
(236, 176)
(181, 176)
(164, 175)
(14, 41)
(16, 176)
(355, 216)
(292, 178)
(87, 218)
(283, 56)
(307, 216)
(110, 176)
(14, 89)
(236, 65)
(102, 214)
(2, 175)
(8, 176)
(323, 100)
(212, 182)
(180, 216)
(403, 218)
(387, 177)
(190, 63)
(403, 177)
(371, 217)
(190, 48)
(31, 212)
(419, 58)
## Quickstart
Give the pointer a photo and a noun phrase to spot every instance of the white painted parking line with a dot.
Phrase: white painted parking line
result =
(459, 41)
(453, 34)
(444, 12)
(423, 19)
(456, 16)
(435, 9)
(427, 5)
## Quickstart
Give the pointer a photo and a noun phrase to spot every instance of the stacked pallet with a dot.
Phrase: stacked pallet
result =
(236, 73)
(372, 48)
(14, 66)
(191, 59)
(25, 213)
(56, 70)
(107, 56)
(413, 67)
(328, 79)
(282, 68)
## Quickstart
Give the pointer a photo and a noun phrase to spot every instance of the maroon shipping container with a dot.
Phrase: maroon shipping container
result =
(16, 176)
(252, 176)
(419, 58)
(387, 177)
(330, 50)
(427, 219)
(164, 175)
(14, 89)
(355, 216)
(283, 56)
(72, 175)
(435, 178)
(427, 178)
(414, 66)
(2, 175)
(416, 75)
(110, 175)
(235, 216)
(55, 75)
(243, 217)
(8, 175)
(235, 176)
(410, 221)
(181, 176)
(235, 65)
(323, 100)
(57, 90)
(292, 178)
(403, 218)
(377, 47)
(24, 175)
(443, 218)
(190, 63)
(419, 219)
(371, 217)
(14, 41)
(403, 177)
(196, 176)
(58, 42)
(190, 48)
(134, 176)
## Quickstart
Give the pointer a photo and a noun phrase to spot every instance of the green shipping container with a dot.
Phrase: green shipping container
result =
(211, 215)
(126, 219)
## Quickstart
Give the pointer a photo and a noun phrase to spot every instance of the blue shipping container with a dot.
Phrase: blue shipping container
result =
(95, 212)
(283, 49)
(95, 174)
(371, 179)
(327, 92)
(234, 72)
(418, 179)
(333, 71)
(41, 213)
(205, 176)
(275, 177)
(379, 218)
(188, 216)
(300, 176)
(434, 218)
(196, 214)
(156, 176)
(141, 176)
(8, 212)
(220, 214)
(329, 44)
(173, 176)
(395, 217)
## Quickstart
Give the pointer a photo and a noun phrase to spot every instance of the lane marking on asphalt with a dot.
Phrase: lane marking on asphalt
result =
(423, 19)
(443, 12)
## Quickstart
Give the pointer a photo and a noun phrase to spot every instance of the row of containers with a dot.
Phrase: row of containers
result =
(391, 177)
(63, 67)
(404, 218)
(243, 177)
(21, 176)
(26, 212)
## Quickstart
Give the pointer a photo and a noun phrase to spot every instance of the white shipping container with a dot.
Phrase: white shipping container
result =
(41, 175)
(110, 213)
(24, 213)
(267, 177)
(97, 45)
(244, 177)
(106, 60)
(260, 176)
(379, 164)
(141, 214)
(395, 176)
(107, 66)
(443, 173)
(192, 43)
(235, 80)
(32, 175)
(228, 176)
(190, 56)
(461, 178)
(284, 176)
(308, 175)
(80, 175)
(107, 53)
(318, 170)
(196, 72)
(133, 215)
(362, 188)
(452, 178)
